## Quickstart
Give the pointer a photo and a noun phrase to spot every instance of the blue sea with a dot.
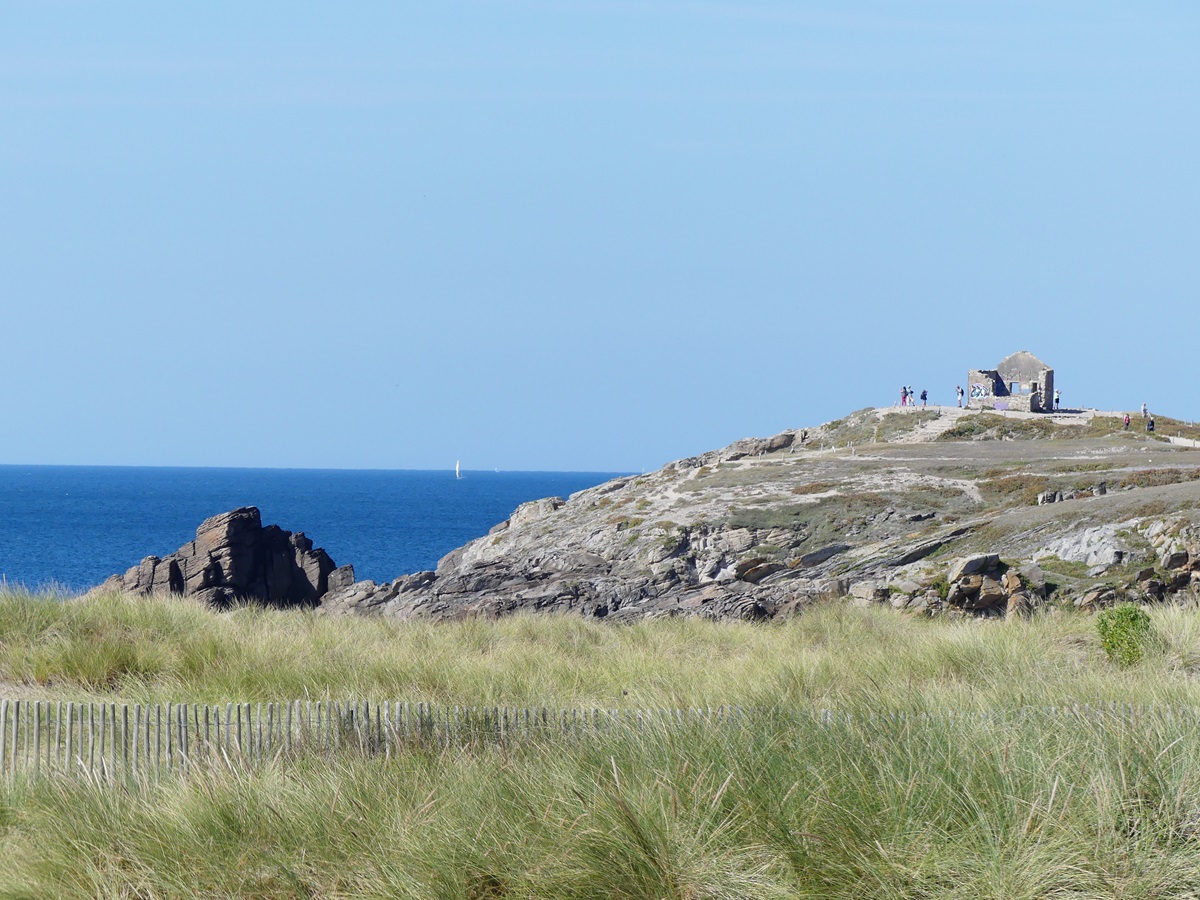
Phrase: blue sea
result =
(73, 526)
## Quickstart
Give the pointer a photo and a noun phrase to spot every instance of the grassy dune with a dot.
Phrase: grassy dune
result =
(938, 807)
(154, 651)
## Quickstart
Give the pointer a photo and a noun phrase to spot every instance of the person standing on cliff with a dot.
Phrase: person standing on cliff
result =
(959, 391)
(1057, 397)
(1144, 412)
(924, 398)
(1126, 421)
(1150, 425)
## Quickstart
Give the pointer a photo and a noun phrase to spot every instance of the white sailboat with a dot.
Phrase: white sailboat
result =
(457, 469)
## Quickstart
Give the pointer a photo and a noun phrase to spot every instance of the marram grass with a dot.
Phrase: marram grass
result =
(976, 809)
(124, 649)
(857, 807)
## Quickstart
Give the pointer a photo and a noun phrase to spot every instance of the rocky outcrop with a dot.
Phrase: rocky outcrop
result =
(234, 558)
(919, 510)
(860, 507)
(1099, 547)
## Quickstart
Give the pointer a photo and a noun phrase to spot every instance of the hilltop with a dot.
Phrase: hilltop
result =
(937, 511)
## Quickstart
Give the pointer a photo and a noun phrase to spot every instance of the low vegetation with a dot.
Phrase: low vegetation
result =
(1158, 477)
(989, 426)
(150, 650)
(1014, 490)
(992, 426)
(870, 426)
(884, 794)
(1124, 633)
(1164, 426)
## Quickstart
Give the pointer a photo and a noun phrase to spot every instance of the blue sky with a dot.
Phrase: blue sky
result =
(579, 236)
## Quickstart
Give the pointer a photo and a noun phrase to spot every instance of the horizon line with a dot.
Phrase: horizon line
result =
(450, 470)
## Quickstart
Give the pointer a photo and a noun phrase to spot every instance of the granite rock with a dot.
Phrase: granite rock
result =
(234, 558)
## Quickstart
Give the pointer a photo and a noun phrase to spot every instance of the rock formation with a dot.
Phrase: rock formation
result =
(934, 512)
(234, 558)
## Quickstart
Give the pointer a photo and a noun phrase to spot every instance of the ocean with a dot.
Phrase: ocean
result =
(71, 527)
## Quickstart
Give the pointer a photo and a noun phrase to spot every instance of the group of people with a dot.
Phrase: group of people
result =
(906, 398)
(1145, 415)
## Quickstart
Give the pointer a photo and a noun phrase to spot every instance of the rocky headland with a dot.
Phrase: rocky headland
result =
(933, 512)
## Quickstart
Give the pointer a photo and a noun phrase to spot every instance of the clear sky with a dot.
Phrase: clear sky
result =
(577, 235)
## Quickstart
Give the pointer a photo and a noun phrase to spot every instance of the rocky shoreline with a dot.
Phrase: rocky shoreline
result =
(933, 512)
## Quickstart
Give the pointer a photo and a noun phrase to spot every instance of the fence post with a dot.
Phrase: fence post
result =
(354, 718)
(58, 723)
(37, 737)
(102, 740)
(114, 741)
(71, 767)
(28, 742)
(185, 744)
(218, 734)
(3, 734)
(125, 768)
(325, 723)
(387, 729)
(238, 735)
(15, 756)
(137, 740)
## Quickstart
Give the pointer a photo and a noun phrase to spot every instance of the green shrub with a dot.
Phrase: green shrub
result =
(941, 584)
(1124, 631)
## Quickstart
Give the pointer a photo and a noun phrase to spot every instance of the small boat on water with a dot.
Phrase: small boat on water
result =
(457, 469)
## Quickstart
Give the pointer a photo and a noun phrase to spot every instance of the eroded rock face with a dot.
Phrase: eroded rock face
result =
(235, 558)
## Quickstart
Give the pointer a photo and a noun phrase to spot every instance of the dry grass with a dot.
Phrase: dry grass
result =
(863, 805)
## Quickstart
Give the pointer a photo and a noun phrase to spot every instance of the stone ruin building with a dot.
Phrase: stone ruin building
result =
(1021, 382)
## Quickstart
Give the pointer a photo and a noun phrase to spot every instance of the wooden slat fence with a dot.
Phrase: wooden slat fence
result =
(121, 742)
(112, 742)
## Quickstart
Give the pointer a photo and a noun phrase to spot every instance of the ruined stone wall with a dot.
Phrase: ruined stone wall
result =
(983, 387)
(1014, 402)
(988, 389)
